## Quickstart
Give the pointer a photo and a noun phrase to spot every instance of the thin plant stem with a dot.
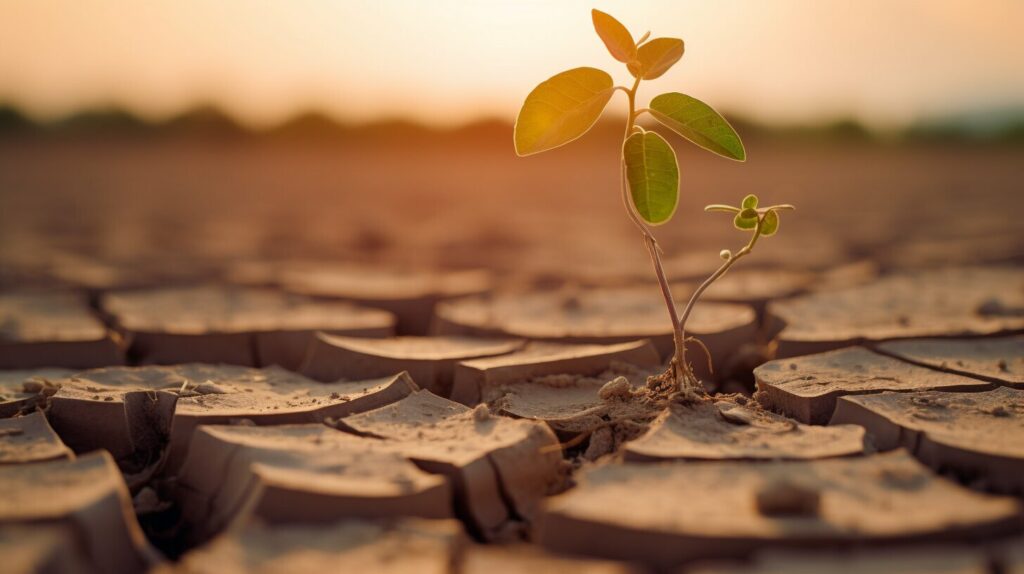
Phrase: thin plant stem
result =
(651, 243)
(714, 276)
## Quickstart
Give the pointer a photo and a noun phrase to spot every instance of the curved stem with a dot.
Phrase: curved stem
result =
(714, 276)
(653, 249)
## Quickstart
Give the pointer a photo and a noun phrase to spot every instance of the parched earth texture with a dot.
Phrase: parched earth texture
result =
(365, 412)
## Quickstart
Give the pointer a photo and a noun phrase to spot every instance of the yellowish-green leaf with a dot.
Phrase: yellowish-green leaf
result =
(615, 36)
(741, 222)
(750, 201)
(699, 123)
(653, 176)
(561, 109)
(770, 223)
(655, 58)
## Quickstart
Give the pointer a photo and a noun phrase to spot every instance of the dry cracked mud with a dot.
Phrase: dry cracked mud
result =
(146, 415)
(976, 435)
(601, 316)
(806, 388)
(248, 327)
(952, 302)
(87, 503)
(53, 329)
(431, 361)
(682, 511)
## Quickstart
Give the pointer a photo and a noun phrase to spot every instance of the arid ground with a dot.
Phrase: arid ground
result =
(391, 349)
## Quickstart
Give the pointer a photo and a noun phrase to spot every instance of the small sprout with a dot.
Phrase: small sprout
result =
(567, 105)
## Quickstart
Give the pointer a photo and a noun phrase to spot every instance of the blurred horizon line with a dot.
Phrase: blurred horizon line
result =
(213, 121)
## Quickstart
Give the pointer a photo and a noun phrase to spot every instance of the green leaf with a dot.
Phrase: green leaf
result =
(655, 58)
(653, 176)
(615, 36)
(699, 123)
(748, 213)
(770, 225)
(750, 202)
(561, 109)
(741, 222)
(720, 207)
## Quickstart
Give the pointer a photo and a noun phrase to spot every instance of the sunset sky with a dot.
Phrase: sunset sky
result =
(444, 62)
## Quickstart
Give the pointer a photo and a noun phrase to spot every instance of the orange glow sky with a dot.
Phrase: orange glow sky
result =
(887, 62)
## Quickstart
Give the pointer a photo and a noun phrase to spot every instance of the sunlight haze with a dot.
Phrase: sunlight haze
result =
(446, 62)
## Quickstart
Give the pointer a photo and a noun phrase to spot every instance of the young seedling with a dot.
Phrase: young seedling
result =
(566, 106)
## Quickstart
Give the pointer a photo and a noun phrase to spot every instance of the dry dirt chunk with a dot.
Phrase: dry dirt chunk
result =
(249, 327)
(501, 467)
(946, 303)
(936, 560)
(522, 559)
(979, 436)
(29, 439)
(52, 549)
(806, 388)
(725, 429)
(406, 546)
(410, 294)
(602, 316)
(86, 496)
(429, 360)
(478, 379)
(54, 329)
(997, 360)
(670, 513)
(22, 391)
(299, 473)
(135, 412)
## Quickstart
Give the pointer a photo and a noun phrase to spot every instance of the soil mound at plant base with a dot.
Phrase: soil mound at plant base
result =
(29, 439)
(248, 327)
(959, 302)
(420, 546)
(999, 360)
(410, 294)
(299, 474)
(735, 428)
(53, 329)
(670, 513)
(979, 436)
(601, 316)
(935, 560)
(501, 467)
(429, 360)
(21, 391)
(806, 388)
(87, 500)
(138, 412)
(480, 379)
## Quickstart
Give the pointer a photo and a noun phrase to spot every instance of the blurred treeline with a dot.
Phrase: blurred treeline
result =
(1000, 127)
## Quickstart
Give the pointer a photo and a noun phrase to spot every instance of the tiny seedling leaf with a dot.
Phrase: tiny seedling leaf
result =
(699, 123)
(770, 224)
(749, 213)
(655, 58)
(744, 222)
(653, 176)
(750, 202)
(561, 109)
(615, 36)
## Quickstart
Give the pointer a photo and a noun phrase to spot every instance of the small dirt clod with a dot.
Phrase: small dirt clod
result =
(616, 389)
